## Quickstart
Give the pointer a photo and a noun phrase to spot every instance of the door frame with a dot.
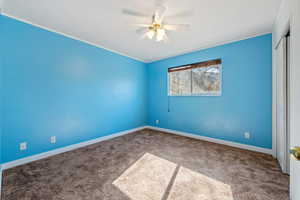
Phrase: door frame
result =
(285, 32)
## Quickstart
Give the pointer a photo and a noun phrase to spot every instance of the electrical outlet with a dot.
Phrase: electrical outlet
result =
(53, 139)
(247, 135)
(157, 121)
(23, 146)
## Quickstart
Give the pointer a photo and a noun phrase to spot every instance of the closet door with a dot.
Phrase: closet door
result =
(281, 132)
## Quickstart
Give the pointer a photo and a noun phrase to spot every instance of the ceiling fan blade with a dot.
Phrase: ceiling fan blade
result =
(135, 13)
(172, 27)
(141, 25)
(143, 36)
(166, 38)
(159, 14)
(185, 13)
(160, 2)
(142, 30)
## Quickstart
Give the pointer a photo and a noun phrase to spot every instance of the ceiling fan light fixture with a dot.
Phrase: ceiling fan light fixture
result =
(158, 30)
(150, 34)
(160, 34)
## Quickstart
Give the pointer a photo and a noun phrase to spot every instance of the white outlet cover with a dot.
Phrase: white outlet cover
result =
(247, 135)
(53, 139)
(157, 121)
(23, 146)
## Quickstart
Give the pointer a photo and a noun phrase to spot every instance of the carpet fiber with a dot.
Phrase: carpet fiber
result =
(149, 165)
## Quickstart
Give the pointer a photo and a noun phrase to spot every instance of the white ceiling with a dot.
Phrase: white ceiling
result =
(102, 23)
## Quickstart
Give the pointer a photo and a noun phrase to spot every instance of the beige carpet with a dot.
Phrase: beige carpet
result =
(149, 165)
(150, 176)
(147, 179)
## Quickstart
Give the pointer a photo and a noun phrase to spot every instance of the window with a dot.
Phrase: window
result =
(196, 79)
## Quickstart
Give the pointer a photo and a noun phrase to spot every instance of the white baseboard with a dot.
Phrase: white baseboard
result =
(93, 141)
(218, 141)
(65, 149)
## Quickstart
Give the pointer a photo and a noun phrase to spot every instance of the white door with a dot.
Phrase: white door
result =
(281, 105)
(295, 97)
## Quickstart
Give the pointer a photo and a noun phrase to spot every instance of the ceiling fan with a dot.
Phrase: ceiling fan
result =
(157, 29)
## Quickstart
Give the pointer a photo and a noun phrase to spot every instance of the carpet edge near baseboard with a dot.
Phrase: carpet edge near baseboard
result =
(57, 151)
(214, 140)
(71, 147)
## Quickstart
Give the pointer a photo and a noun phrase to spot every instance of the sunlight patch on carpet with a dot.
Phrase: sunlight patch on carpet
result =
(194, 186)
(147, 179)
(155, 178)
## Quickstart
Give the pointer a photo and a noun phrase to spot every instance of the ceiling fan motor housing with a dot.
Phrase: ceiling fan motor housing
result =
(155, 27)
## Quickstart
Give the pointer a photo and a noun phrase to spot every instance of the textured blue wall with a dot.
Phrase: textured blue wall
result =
(245, 104)
(54, 85)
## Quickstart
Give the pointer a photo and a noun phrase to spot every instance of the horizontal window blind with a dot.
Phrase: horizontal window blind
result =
(196, 65)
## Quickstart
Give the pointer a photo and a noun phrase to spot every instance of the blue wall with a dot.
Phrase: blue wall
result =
(1, 97)
(54, 85)
(245, 104)
(1, 104)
